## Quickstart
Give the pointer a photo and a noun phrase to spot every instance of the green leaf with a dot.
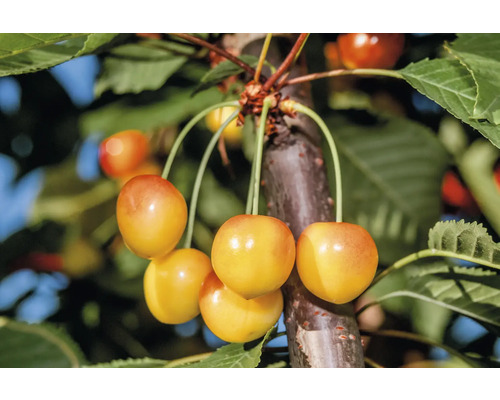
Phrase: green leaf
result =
(233, 355)
(12, 44)
(216, 203)
(391, 174)
(176, 106)
(133, 68)
(465, 239)
(94, 41)
(21, 53)
(36, 346)
(222, 71)
(450, 84)
(474, 292)
(132, 363)
(480, 53)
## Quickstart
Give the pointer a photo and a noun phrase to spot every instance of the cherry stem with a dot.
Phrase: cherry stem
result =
(185, 131)
(421, 339)
(342, 72)
(216, 49)
(259, 147)
(262, 57)
(248, 208)
(287, 62)
(199, 176)
(333, 149)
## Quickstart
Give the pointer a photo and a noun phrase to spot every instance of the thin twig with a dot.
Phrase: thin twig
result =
(216, 49)
(340, 72)
(287, 62)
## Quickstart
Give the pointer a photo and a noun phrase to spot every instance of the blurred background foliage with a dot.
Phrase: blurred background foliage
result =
(62, 259)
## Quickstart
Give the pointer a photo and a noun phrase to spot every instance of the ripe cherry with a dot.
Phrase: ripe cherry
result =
(336, 261)
(370, 50)
(233, 318)
(172, 285)
(253, 254)
(122, 152)
(151, 215)
(232, 134)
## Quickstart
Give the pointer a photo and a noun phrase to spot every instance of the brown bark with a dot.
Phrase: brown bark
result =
(320, 334)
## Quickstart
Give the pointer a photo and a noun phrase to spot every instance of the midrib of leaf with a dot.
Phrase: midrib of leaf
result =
(405, 293)
(41, 44)
(44, 333)
(443, 88)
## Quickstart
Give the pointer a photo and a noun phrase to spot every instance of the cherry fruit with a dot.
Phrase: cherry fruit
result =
(151, 215)
(122, 152)
(233, 318)
(172, 285)
(370, 50)
(336, 261)
(253, 254)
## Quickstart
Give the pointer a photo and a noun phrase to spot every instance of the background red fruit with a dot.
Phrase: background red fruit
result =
(370, 50)
(123, 152)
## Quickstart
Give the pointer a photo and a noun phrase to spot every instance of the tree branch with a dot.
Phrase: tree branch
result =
(216, 49)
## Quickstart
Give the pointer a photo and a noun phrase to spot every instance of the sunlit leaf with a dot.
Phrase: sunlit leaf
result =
(480, 53)
(451, 85)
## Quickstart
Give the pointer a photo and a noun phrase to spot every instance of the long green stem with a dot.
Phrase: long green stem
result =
(262, 57)
(199, 177)
(421, 339)
(248, 208)
(258, 154)
(185, 131)
(333, 149)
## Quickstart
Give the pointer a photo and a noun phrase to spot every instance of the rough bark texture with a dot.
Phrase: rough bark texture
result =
(320, 334)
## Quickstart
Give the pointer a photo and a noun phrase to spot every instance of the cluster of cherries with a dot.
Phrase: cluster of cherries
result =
(237, 290)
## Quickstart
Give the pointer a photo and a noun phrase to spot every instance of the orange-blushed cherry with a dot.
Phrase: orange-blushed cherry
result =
(232, 134)
(253, 254)
(172, 284)
(151, 215)
(336, 261)
(233, 318)
(370, 50)
(123, 152)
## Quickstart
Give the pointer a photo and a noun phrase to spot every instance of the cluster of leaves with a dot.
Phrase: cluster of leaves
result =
(392, 168)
